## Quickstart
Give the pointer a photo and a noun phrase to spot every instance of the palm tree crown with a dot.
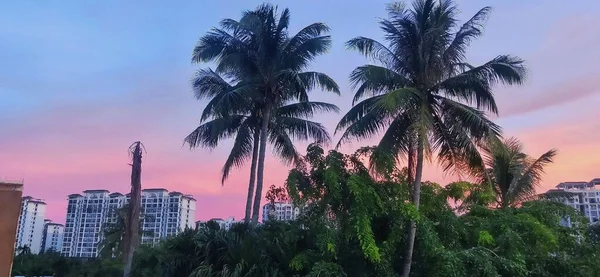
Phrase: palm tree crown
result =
(423, 85)
(267, 66)
(512, 174)
(288, 122)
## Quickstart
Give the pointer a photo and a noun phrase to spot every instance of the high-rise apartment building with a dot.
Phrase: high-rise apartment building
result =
(280, 211)
(53, 237)
(582, 196)
(166, 214)
(86, 215)
(31, 224)
(163, 214)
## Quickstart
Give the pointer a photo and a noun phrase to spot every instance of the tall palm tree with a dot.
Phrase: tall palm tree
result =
(423, 94)
(512, 174)
(268, 64)
(288, 122)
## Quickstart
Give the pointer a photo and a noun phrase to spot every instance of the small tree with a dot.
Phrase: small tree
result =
(275, 194)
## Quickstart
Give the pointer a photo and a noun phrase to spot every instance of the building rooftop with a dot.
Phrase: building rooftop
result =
(155, 189)
(33, 200)
(11, 182)
(95, 191)
(579, 185)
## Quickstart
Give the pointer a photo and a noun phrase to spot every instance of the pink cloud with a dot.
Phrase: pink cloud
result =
(563, 68)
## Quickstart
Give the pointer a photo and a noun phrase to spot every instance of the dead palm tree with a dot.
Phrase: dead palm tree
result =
(132, 221)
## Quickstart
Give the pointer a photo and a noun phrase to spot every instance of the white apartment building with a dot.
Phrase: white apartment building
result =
(584, 197)
(224, 224)
(280, 211)
(166, 214)
(53, 236)
(86, 215)
(30, 229)
(163, 214)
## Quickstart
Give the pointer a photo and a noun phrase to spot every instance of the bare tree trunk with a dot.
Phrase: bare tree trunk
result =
(261, 163)
(132, 222)
(256, 142)
(416, 199)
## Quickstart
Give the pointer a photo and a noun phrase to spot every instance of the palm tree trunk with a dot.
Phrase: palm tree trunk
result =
(132, 222)
(416, 199)
(252, 176)
(261, 163)
(411, 160)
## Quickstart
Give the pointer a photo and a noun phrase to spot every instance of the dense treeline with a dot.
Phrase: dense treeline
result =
(354, 225)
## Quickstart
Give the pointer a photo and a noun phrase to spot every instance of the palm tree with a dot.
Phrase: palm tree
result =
(288, 122)
(423, 94)
(512, 174)
(268, 65)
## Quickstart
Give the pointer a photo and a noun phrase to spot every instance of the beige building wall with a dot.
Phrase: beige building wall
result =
(10, 207)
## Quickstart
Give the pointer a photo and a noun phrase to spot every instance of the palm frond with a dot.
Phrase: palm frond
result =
(530, 179)
(304, 109)
(376, 51)
(240, 152)
(396, 141)
(302, 54)
(210, 133)
(301, 129)
(307, 33)
(313, 80)
(374, 80)
(283, 146)
(475, 84)
(473, 28)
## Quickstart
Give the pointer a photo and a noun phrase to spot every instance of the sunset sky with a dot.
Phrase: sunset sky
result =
(82, 80)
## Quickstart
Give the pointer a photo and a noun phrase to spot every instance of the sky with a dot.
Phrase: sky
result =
(80, 81)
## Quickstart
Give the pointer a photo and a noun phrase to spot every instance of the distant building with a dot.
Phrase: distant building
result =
(166, 214)
(163, 214)
(53, 237)
(583, 196)
(280, 211)
(224, 224)
(31, 224)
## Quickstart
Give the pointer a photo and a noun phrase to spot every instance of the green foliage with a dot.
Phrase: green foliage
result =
(528, 241)
(52, 264)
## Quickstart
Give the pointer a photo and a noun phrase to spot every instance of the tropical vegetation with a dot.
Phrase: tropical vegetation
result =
(369, 213)
(354, 224)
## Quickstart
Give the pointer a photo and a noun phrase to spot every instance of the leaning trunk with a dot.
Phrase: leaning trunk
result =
(261, 163)
(252, 176)
(416, 199)
(131, 238)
